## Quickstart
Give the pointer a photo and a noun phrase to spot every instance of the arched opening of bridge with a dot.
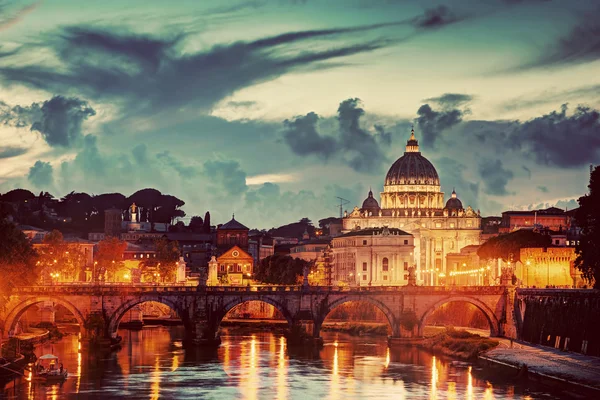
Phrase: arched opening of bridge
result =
(253, 316)
(459, 315)
(43, 318)
(356, 318)
(147, 323)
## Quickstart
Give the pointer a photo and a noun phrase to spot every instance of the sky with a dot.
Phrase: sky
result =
(274, 108)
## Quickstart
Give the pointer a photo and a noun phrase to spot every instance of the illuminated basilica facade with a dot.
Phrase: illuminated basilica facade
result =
(412, 201)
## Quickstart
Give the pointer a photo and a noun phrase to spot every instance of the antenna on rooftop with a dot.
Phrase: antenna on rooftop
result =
(341, 205)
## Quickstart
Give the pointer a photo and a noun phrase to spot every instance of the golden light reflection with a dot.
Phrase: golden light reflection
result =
(334, 392)
(54, 392)
(451, 391)
(249, 386)
(489, 392)
(434, 379)
(78, 371)
(469, 385)
(175, 363)
(281, 371)
(30, 394)
(155, 381)
(387, 357)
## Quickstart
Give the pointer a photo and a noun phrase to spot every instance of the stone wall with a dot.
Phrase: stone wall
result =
(563, 319)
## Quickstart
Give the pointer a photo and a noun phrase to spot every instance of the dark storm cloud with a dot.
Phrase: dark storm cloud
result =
(561, 140)
(431, 122)
(451, 99)
(150, 75)
(11, 151)
(41, 175)
(580, 45)
(437, 17)
(551, 96)
(226, 175)
(61, 119)
(452, 176)
(495, 177)
(303, 138)
(242, 6)
(362, 150)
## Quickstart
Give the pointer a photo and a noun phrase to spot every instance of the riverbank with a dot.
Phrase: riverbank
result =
(458, 344)
(547, 365)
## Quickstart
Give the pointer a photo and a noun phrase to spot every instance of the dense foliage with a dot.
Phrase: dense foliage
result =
(109, 256)
(165, 262)
(57, 256)
(85, 213)
(510, 244)
(587, 218)
(280, 269)
(17, 259)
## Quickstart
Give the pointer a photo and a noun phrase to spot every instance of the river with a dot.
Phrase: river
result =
(152, 365)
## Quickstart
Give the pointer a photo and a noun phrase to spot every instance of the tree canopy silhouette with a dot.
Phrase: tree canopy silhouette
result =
(587, 217)
(508, 244)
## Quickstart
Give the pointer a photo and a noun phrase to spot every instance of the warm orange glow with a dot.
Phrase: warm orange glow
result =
(434, 379)
(470, 385)
(155, 380)
(281, 371)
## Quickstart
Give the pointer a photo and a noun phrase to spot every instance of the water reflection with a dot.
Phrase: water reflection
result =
(151, 365)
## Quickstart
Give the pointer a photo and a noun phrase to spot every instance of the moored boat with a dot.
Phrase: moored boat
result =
(47, 368)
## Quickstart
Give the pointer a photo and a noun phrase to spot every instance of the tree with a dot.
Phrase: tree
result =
(587, 217)
(280, 270)
(18, 265)
(196, 224)
(504, 246)
(110, 256)
(207, 222)
(165, 262)
(57, 256)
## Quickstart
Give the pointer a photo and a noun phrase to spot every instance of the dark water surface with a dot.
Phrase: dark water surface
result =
(152, 365)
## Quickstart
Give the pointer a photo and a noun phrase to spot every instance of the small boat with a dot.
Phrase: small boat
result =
(47, 368)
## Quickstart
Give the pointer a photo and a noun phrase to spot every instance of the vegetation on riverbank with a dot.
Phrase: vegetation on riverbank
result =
(357, 328)
(458, 344)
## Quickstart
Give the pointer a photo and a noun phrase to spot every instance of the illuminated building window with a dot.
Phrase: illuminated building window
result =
(385, 278)
(451, 224)
(438, 224)
(385, 264)
(364, 277)
(406, 265)
(364, 266)
(405, 241)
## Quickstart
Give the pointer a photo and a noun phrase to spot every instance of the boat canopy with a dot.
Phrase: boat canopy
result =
(48, 357)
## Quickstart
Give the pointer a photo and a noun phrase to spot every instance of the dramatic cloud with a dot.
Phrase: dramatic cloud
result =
(183, 170)
(41, 175)
(543, 189)
(526, 170)
(581, 45)
(227, 175)
(303, 138)
(61, 120)
(495, 177)
(452, 177)
(11, 151)
(451, 99)
(149, 75)
(431, 122)
(562, 140)
(552, 96)
(361, 150)
(435, 18)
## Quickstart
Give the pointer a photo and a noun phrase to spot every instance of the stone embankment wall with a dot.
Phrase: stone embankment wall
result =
(563, 319)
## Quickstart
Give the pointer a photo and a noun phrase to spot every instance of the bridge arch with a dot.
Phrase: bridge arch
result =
(120, 312)
(487, 311)
(265, 299)
(381, 306)
(17, 312)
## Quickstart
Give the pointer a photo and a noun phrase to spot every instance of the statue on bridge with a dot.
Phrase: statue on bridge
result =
(412, 276)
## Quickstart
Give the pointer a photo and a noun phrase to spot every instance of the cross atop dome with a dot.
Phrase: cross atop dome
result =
(412, 145)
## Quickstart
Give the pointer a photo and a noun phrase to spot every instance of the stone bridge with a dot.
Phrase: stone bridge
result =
(99, 308)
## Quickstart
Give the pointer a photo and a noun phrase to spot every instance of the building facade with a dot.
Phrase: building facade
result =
(551, 218)
(374, 256)
(412, 201)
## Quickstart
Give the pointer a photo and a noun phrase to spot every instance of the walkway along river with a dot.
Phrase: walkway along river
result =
(151, 364)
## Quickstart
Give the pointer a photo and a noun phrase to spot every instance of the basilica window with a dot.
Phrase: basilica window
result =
(385, 264)
(364, 242)
(385, 278)
(406, 241)
(406, 265)
(364, 266)
(364, 277)
(451, 224)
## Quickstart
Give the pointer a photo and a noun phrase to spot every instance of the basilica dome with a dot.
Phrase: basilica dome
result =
(370, 204)
(412, 168)
(454, 202)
